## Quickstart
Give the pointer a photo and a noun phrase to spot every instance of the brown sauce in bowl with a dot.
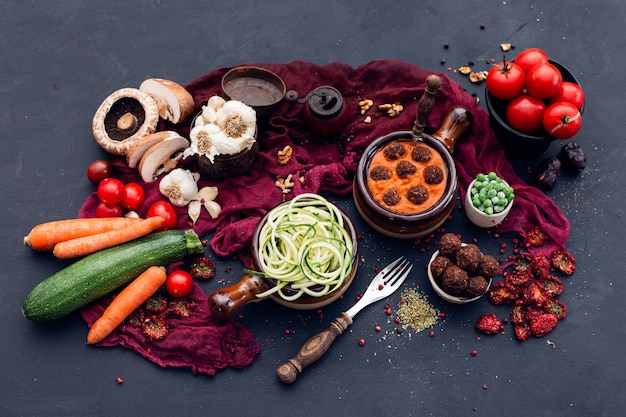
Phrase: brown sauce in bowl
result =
(407, 177)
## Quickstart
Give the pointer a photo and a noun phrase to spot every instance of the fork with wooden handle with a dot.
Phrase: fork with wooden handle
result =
(384, 284)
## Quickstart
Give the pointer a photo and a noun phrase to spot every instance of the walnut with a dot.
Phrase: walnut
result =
(477, 77)
(465, 70)
(285, 184)
(365, 105)
(284, 155)
(505, 46)
(392, 110)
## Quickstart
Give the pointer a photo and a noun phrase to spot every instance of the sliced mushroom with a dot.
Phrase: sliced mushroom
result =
(125, 116)
(162, 157)
(175, 102)
(139, 147)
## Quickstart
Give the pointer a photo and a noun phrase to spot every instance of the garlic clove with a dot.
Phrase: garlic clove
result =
(213, 208)
(207, 193)
(194, 210)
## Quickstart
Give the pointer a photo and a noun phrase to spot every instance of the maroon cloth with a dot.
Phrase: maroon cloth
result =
(326, 168)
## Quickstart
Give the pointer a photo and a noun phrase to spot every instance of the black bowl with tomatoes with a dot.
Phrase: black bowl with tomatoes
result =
(517, 144)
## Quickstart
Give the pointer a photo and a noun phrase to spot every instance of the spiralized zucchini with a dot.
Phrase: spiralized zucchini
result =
(305, 244)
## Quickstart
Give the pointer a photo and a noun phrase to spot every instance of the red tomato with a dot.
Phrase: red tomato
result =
(104, 210)
(179, 283)
(525, 113)
(134, 196)
(543, 80)
(530, 57)
(570, 92)
(165, 210)
(562, 120)
(111, 191)
(505, 80)
(99, 170)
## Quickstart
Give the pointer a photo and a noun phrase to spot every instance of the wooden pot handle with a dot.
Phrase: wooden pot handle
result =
(224, 302)
(426, 105)
(457, 121)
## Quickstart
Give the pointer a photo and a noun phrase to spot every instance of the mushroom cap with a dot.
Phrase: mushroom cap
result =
(162, 157)
(174, 101)
(123, 117)
(138, 148)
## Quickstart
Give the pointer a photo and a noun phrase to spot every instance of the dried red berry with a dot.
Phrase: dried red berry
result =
(488, 323)
(564, 262)
(543, 324)
(536, 236)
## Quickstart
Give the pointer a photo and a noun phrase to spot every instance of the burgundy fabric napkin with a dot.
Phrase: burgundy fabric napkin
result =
(330, 167)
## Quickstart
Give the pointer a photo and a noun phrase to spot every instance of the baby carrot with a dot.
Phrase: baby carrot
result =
(85, 245)
(127, 301)
(44, 236)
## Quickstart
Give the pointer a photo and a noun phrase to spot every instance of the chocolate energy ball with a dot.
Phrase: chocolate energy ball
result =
(421, 154)
(448, 245)
(380, 173)
(417, 194)
(439, 265)
(433, 174)
(405, 169)
(391, 197)
(489, 266)
(454, 280)
(394, 151)
(476, 286)
(468, 257)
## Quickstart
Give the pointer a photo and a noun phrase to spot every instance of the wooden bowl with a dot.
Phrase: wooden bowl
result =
(224, 302)
(228, 166)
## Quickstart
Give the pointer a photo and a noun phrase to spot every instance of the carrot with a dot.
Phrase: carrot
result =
(85, 245)
(44, 236)
(127, 301)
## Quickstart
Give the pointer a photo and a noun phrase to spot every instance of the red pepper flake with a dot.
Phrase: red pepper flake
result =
(431, 334)
(397, 320)
(381, 287)
(474, 352)
(119, 380)
(442, 314)
(388, 311)
(361, 342)
(378, 328)
(287, 331)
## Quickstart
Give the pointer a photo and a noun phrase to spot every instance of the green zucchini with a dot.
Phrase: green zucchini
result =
(102, 272)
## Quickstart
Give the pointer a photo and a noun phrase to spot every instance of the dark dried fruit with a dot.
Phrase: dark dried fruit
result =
(488, 323)
(548, 172)
(556, 307)
(564, 262)
(202, 268)
(543, 324)
(155, 328)
(573, 157)
(536, 236)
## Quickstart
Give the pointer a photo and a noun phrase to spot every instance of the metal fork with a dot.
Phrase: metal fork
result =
(383, 285)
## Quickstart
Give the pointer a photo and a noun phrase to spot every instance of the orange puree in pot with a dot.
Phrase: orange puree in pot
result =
(399, 166)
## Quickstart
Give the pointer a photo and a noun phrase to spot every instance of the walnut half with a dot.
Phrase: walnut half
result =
(284, 155)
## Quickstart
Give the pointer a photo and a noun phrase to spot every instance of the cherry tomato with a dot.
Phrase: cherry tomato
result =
(111, 191)
(103, 210)
(179, 283)
(525, 113)
(134, 196)
(570, 92)
(562, 120)
(543, 80)
(505, 80)
(99, 170)
(165, 210)
(530, 57)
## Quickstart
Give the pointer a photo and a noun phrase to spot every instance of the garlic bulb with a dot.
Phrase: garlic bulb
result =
(223, 128)
(179, 186)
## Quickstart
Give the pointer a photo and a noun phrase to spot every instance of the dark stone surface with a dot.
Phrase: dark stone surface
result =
(58, 61)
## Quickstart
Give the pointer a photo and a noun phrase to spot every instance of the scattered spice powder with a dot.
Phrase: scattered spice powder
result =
(416, 312)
